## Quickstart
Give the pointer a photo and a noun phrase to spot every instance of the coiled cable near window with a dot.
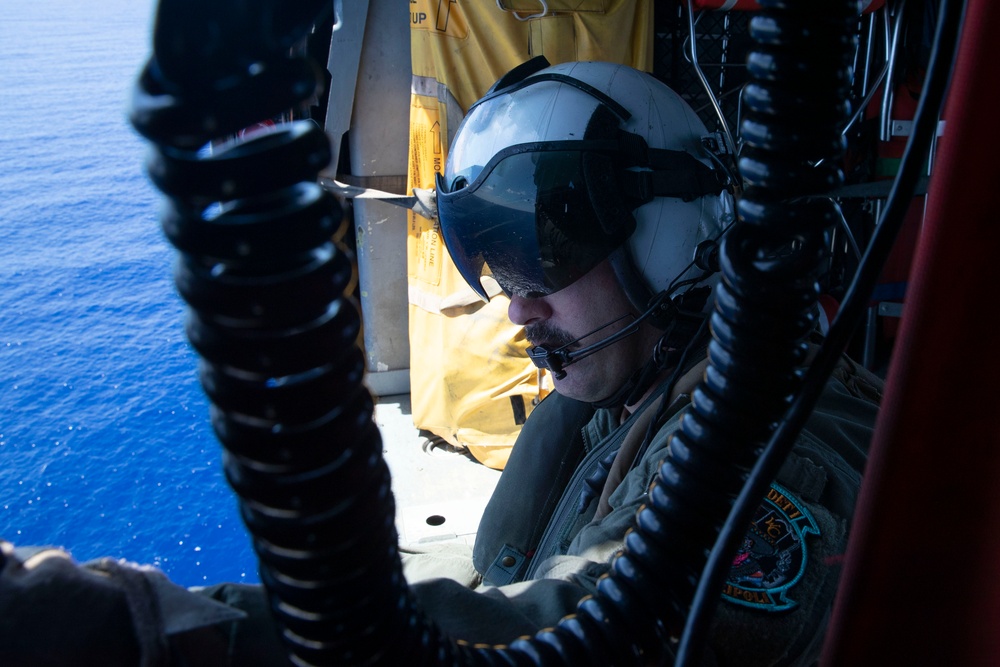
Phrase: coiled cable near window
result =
(269, 317)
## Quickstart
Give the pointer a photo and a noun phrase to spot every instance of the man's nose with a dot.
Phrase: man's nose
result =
(524, 310)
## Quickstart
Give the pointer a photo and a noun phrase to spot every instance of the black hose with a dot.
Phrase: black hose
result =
(265, 282)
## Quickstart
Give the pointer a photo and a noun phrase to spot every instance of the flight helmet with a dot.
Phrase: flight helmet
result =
(558, 168)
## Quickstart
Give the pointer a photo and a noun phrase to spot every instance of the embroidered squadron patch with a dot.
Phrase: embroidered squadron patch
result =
(773, 556)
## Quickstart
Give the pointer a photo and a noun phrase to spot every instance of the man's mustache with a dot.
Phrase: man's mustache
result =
(549, 336)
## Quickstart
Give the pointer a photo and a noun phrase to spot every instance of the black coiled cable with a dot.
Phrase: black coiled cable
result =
(265, 283)
(277, 336)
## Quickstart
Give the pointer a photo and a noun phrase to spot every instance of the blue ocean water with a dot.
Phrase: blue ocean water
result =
(105, 444)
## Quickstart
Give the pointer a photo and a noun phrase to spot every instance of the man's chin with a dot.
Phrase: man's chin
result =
(561, 384)
(568, 386)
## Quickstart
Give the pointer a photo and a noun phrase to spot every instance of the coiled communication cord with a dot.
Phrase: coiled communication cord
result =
(268, 315)
(277, 336)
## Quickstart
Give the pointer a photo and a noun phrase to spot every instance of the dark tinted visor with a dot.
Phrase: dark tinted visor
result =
(529, 219)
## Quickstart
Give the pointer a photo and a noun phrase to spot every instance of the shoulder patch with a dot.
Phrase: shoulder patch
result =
(773, 556)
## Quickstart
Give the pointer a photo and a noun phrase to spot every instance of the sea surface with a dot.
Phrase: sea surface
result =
(105, 443)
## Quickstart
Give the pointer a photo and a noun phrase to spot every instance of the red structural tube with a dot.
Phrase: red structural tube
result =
(921, 583)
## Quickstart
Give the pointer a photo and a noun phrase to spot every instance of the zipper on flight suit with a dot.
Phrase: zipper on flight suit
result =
(558, 534)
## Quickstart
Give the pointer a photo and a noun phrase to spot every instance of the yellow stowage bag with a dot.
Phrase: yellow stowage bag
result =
(470, 380)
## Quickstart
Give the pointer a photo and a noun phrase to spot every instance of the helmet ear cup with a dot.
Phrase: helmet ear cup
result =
(630, 279)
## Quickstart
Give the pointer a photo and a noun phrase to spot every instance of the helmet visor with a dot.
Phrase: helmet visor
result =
(529, 218)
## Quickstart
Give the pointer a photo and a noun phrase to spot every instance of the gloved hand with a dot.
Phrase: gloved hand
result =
(54, 612)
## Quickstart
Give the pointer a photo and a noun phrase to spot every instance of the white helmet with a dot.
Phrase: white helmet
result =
(558, 168)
